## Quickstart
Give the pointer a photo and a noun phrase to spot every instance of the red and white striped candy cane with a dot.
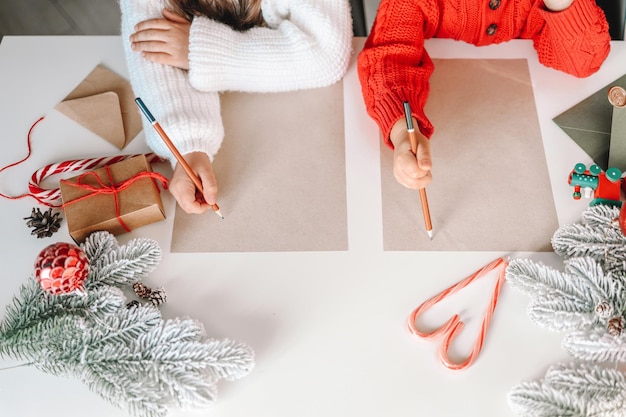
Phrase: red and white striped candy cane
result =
(450, 328)
(52, 197)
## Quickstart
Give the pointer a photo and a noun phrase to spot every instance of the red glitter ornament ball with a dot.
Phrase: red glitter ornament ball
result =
(61, 268)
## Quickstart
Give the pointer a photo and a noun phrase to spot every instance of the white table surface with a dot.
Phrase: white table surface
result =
(328, 328)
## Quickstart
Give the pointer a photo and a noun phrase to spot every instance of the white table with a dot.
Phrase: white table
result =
(328, 328)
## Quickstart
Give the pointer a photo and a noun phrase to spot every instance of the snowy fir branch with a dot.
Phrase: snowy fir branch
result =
(566, 300)
(600, 215)
(596, 345)
(587, 299)
(598, 237)
(537, 279)
(560, 315)
(533, 399)
(588, 380)
(33, 305)
(127, 354)
(574, 390)
(119, 265)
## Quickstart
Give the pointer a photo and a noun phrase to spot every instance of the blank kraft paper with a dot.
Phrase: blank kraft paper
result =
(490, 189)
(281, 175)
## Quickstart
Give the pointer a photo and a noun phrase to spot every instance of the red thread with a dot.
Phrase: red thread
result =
(52, 197)
(28, 141)
(113, 189)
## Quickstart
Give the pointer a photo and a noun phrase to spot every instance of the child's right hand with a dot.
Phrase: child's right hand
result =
(411, 170)
(184, 190)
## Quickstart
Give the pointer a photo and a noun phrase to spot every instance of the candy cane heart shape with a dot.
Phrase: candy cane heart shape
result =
(454, 325)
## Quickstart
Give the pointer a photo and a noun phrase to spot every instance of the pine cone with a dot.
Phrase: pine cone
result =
(43, 224)
(604, 309)
(615, 326)
(158, 297)
(142, 290)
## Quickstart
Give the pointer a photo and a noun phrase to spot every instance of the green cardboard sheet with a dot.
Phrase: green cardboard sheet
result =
(588, 123)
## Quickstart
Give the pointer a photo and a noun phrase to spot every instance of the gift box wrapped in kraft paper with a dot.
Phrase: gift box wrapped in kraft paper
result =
(117, 198)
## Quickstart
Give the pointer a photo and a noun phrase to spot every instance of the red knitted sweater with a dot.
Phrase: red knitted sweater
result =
(394, 67)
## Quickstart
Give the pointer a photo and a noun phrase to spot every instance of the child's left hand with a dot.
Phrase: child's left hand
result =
(163, 40)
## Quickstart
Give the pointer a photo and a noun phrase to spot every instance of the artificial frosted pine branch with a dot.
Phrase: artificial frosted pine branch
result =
(587, 380)
(598, 237)
(127, 354)
(561, 315)
(583, 240)
(587, 299)
(42, 337)
(534, 399)
(566, 300)
(600, 215)
(536, 279)
(575, 389)
(596, 345)
(33, 306)
(596, 284)
(119, 265)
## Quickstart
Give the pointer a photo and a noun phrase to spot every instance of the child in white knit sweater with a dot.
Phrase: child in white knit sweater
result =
(181, 54)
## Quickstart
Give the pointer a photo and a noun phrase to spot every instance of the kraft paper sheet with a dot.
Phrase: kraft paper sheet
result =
(281, 175)
(491, 189)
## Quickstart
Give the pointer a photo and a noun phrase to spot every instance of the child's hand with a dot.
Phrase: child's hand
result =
(410, 170)
(184, 190)
(164, 40)
(557, 5)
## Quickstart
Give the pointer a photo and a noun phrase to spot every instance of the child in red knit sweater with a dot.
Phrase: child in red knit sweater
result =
(569, 35)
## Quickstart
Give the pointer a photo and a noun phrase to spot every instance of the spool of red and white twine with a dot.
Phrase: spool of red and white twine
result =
(52, 197)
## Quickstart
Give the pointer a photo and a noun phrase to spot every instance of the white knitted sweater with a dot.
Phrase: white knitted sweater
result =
(306, 44)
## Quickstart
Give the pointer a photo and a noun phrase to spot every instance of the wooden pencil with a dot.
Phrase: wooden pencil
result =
(183, 163)
(422, 191)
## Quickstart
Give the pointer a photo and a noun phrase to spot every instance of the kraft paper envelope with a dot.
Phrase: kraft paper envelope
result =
(104, 103)
(491, 188)
(588, 123)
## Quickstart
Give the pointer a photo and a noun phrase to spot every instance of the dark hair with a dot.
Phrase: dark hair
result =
(241, 15)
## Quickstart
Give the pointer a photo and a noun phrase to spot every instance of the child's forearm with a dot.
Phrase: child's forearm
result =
(191, 118)
(575, 40)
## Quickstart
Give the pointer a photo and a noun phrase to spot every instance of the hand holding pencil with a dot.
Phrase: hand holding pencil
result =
(410, 168)
(411, 160)
(189, 197)
(193, 183)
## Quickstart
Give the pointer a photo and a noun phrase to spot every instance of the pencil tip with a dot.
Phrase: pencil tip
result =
(430, 234)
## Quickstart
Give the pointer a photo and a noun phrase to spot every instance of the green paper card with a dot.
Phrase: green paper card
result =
(588, 123)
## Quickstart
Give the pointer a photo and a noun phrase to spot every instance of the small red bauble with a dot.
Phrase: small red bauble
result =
(61, 268)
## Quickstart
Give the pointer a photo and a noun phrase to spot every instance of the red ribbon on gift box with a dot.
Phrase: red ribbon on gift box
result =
(112, 188)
